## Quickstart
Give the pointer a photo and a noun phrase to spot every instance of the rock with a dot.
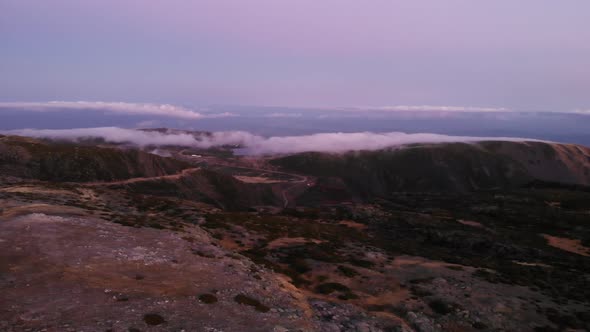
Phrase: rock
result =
(363, 327)
(421, 322)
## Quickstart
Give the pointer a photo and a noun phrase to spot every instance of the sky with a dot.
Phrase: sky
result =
(518, 55)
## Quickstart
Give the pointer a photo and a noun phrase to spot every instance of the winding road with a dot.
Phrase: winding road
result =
(300, 179)
(175, 176)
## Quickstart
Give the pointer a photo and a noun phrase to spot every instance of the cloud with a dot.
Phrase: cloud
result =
(284, 115)
(432, 108)
(254, 144)
(580, 111)
(342, 142)
(165, 110)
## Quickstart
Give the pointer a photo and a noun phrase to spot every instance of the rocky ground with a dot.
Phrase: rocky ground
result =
(65, 268)
(71, 262)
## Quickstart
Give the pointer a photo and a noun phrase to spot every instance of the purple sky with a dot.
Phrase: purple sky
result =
(526, 54)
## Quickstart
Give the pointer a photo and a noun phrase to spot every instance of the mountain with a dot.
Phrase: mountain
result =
(448, 167)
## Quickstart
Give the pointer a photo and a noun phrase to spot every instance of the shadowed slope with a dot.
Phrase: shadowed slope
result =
(456, 167)
(29, 158)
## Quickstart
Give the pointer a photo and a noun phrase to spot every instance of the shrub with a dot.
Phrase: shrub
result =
(153, 319)
(208, 298)
(330, 287)
(347, 272)
(243, 299)
(440, 307)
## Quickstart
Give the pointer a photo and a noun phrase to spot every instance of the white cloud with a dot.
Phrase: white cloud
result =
(434, 108)
(254, 144)
(341, 142)
(284, 115)
(166, 110)
(580, 111)
(429, 109)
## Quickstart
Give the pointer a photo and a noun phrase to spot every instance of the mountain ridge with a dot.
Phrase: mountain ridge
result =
(456, 167)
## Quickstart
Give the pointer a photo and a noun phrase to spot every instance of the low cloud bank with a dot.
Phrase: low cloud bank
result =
(457, 109)
(435, 108)
(284, 115)
(580, 111)
(254, 144)
(165, 110)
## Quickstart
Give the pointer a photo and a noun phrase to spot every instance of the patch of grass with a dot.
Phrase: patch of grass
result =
(246, 300)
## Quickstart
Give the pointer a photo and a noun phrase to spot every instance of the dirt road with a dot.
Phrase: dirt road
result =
(176, 176)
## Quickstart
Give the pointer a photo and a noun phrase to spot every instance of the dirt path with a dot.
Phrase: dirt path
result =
(176, 176)
(301, 179)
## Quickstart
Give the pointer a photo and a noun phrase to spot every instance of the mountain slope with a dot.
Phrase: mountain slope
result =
(218, 189)
(52, 161)
(455, 167)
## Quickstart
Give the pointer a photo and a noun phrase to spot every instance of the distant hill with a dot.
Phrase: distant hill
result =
(58, 161)
(352, 176)
(455, 167)
(81, 162)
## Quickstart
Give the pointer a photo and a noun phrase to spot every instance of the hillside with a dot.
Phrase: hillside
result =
(59, 161)
(218, 189)
(453, 167)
